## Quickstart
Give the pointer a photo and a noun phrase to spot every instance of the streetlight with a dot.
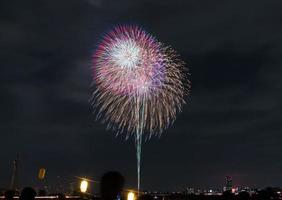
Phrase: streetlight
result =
(83, 186)
(130, 196)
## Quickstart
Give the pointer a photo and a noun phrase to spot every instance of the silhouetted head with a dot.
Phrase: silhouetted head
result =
(111, 185)
(9, 194)
(28, 193)
(227, 195)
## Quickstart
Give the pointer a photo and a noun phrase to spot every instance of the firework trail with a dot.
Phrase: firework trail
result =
(140, 84)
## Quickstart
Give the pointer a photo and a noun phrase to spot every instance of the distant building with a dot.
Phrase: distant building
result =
(14, 179)
(228, 183)
(190, 190)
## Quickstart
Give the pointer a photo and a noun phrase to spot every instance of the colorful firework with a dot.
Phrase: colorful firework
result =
(140, 84)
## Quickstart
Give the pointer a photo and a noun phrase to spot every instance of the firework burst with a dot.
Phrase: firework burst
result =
(140, 84)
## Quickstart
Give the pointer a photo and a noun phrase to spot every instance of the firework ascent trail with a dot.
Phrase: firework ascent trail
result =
(140, 84)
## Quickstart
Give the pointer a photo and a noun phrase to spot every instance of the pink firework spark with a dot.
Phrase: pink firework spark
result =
(128, 61)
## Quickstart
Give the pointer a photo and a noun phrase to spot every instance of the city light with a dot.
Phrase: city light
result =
(130, 196)
(41, 173)
(83, 186)
(233, 190)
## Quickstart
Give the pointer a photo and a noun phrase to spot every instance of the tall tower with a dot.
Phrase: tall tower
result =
(14, 180)
(228, 183)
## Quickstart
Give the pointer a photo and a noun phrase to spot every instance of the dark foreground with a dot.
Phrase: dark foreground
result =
(172, 197)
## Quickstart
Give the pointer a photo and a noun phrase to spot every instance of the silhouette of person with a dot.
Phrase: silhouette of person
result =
(227, 195)
(9, 194)
(28, 193)
(111, 185)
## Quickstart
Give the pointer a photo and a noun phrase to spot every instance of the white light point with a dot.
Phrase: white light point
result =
(126, 53)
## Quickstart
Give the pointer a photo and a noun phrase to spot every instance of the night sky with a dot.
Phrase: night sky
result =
(231, 124)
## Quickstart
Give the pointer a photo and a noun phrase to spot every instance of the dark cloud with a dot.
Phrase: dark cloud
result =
(230, 125)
